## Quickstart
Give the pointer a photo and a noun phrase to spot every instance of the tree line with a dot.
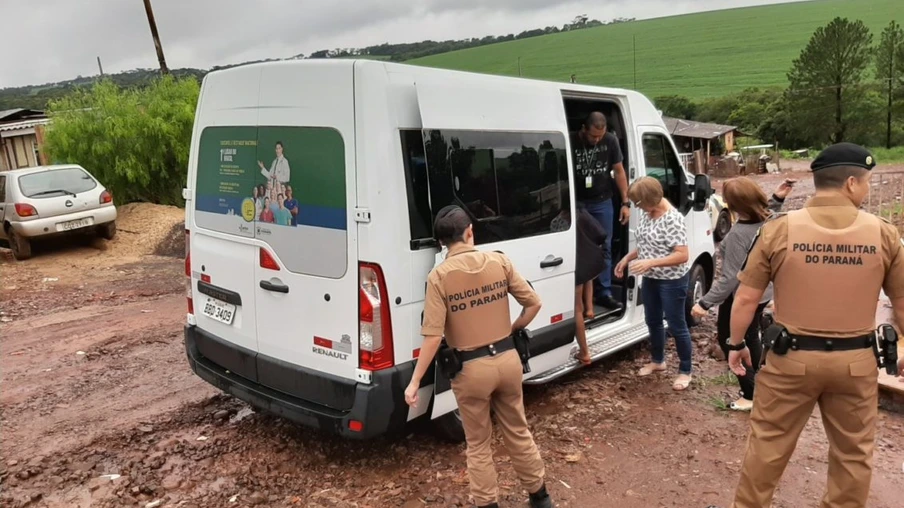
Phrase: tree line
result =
(410, 51)
(841, 87)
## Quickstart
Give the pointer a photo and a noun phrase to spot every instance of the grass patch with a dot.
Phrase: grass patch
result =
(724, 379)
(717, 403)
(709, 54)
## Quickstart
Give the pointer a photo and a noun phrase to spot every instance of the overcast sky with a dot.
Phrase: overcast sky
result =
(54, 40)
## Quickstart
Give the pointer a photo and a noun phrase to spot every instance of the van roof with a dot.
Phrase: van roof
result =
(418, 69)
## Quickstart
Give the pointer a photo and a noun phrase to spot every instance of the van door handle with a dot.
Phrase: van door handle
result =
(277, 288)
(551, 263)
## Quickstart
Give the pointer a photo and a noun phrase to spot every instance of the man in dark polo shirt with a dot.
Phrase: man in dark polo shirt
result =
(597, 158)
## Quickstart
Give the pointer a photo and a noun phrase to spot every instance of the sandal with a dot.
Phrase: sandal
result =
(741, 404)
(588, 314)
(585, 360)
(650, 368)
(682, 382)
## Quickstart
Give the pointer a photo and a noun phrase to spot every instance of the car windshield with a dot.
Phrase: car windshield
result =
(56, 182)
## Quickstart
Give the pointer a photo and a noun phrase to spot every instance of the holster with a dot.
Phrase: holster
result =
(448, 361)
(522, 340)
(777, 338)
(887, 356)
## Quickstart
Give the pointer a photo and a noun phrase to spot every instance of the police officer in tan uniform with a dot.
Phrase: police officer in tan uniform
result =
(827, 263)
(467, 301)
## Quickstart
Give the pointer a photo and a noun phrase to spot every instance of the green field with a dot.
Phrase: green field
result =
(698, 55)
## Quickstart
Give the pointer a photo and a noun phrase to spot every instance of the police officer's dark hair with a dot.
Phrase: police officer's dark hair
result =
(835, 176)
(450, 225)
(280, 144)
(596, 120)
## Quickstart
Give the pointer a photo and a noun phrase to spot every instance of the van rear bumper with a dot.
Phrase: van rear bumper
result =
(379, 406)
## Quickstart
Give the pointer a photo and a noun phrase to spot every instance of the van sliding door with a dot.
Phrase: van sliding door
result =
(500, 152)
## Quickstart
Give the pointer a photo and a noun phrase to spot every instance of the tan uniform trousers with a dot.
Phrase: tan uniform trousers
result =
(494, 382)
(844, 384)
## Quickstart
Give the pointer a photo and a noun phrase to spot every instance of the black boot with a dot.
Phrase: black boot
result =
(540, 499)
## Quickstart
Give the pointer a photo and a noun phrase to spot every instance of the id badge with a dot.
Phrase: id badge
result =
(588, 182)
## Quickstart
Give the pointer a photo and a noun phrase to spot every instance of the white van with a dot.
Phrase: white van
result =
(312, 188)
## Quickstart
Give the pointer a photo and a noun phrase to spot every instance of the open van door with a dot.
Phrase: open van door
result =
(501, 154)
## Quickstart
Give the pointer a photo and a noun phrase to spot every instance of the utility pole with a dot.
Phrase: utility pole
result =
(635, 60)
(100, 67)
(156, 36)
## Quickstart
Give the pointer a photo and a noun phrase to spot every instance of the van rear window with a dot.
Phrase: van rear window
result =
(283, 185)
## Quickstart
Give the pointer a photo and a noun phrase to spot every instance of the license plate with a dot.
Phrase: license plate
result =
(219, 310)
(74, 224)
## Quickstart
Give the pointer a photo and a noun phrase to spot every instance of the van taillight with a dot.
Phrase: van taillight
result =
(191, 306)
(375, 331)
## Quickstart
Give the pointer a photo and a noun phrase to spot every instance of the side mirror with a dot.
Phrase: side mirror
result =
(703, 189)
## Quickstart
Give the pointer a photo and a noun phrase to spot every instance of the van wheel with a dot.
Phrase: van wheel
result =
(696, 288)
(449, 427)
(107, 231)
(723, 225)
(20, 246)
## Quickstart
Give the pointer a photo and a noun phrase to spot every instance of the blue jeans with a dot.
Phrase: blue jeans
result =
(604, 214)
(666, 298)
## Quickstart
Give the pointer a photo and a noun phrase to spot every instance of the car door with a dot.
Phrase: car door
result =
(2, 204)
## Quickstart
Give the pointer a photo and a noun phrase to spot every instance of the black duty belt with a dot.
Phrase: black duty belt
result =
(491, 350)
(810, 343)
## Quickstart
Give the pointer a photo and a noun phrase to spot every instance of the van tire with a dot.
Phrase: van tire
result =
(449, 427)
(107, 231)
(696, 288)
(723, 225)
(20, 245)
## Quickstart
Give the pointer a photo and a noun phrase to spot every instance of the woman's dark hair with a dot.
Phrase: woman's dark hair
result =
(450, 225)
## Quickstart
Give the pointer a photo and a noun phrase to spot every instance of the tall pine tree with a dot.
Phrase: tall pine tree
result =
(825, 79)
(890, 70)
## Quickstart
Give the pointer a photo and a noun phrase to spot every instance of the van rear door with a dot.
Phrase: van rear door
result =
(306, 278)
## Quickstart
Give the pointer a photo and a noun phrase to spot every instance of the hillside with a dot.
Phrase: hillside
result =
(698, 55)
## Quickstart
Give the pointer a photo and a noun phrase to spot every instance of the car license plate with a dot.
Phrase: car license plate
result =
(219, 310)
(74, 224)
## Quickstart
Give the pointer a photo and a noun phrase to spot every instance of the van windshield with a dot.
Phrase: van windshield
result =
(56, 182)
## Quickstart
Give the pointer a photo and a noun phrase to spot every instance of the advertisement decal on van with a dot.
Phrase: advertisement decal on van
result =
(282, 185)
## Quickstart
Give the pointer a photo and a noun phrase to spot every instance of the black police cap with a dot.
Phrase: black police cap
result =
(844, 154)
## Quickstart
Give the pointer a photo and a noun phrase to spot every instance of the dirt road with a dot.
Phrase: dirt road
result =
(99, 408)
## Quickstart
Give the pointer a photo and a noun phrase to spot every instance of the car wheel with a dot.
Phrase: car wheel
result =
(696, 288)
(107, 231)
(449, 427)
(20, 246)
(723, 225)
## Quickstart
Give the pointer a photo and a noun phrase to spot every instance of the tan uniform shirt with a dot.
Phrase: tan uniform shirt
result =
(467, 298)
(834, 295)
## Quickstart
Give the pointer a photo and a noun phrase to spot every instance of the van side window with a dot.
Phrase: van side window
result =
(2, 190)
(419, 217)
(511, 183)
(663, 165)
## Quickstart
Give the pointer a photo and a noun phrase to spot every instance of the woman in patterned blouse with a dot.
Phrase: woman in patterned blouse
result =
(661, 258)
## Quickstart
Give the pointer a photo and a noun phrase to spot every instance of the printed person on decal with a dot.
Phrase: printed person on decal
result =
(279, 169)
(467, 301)
(827, 263)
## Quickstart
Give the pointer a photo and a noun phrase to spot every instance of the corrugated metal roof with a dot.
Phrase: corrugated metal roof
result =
(692, 129)
(19, 114)
(24, 124)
